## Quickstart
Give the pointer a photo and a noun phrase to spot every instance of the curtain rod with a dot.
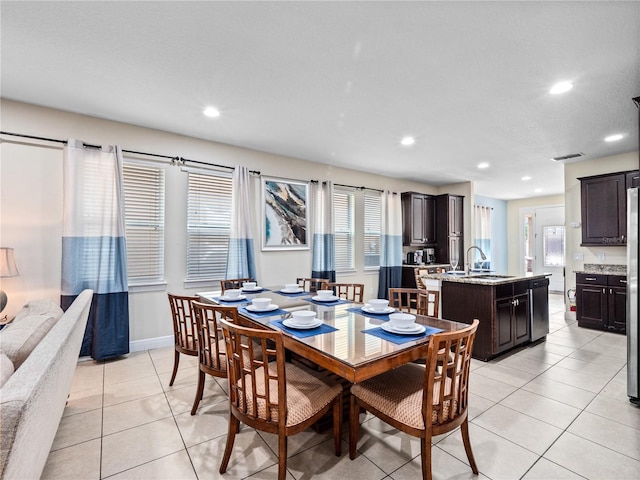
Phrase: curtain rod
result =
(351, 186)
(174, 159)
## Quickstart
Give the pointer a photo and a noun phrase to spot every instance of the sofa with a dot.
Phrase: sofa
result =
(38, 356)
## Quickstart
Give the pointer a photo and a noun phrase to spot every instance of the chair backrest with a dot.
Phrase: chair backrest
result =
(405, 299)
(211, 350)
(312, 285)
(256, 372)
(418, 272)
(447, 367)
(428, 303)
(233, 283)
(348, 291)
(185, 329)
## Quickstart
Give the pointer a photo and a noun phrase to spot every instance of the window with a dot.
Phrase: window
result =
(208, 223)
(144, 222)
(553, 244)
(343, 208)
(372, 227)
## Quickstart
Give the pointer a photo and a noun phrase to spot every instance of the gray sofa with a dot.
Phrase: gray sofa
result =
(41, 348)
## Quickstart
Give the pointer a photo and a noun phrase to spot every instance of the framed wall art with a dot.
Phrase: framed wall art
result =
(285, 214)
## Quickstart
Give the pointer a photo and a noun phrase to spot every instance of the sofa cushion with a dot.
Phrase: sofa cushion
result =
(39, 307)
(18, 341)
(6, 369)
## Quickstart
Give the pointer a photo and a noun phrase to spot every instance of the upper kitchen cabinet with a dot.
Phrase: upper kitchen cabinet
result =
(450, 228)
(418, 219)
(604, 208)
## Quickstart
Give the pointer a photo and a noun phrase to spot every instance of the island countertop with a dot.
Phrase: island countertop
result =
(482, 278)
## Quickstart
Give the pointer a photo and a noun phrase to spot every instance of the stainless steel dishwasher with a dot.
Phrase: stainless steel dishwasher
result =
(539, 305)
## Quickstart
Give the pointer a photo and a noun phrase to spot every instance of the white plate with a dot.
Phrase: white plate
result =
(289, 322)
(318, 298)
(254, 289)
(224, 298)
(292, 291)
(270, 308)
(367, 308)
(417, 328)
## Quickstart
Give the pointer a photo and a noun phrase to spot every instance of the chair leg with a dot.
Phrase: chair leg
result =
(354, 425)
(464, 428)
(425, 457)
(199, 393)
(176, 361)
(234, 426)
(337, 425)
(282, 456)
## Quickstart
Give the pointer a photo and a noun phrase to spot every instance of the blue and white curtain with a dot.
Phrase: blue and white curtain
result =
(323, 254)
(93, 245)
(482, 220)
(240, 257)
(390, 244)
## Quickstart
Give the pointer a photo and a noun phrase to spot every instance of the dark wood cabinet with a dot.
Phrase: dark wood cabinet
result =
(418, 219)
(601, 301)
(604, 208)
(450, 229)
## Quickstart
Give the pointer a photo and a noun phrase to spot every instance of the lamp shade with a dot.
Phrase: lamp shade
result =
(7, 263)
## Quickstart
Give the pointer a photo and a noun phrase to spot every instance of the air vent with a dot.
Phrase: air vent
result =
(567, 157)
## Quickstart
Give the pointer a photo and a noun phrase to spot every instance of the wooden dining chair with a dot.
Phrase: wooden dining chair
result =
(428, 303)
(423, 401)
(348, 291)
(273, 396)
(185, 329)
(233, 283)
(405, 299)
(312, 285)
(212, 355)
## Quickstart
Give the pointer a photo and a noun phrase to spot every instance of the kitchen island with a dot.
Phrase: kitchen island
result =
(512, 309)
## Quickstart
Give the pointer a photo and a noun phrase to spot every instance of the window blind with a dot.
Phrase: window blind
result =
(372, 230)
(343, 209)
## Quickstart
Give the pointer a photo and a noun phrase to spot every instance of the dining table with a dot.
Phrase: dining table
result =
(350, 340)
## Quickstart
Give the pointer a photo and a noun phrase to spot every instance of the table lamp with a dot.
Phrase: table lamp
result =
(7, 269)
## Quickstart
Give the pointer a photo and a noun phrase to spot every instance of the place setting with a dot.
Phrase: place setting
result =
(303, 323)
(252, 287)
(326, 297)
(232, 296)
(376, 308)
(402, 328)
(262, 307)
(292, 290)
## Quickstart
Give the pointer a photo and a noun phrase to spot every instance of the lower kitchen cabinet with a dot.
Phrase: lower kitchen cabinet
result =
(601, 301)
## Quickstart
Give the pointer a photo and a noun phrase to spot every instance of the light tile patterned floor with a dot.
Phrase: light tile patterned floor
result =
(557, 409)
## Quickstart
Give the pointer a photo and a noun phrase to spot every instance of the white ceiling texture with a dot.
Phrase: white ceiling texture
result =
(342, 83)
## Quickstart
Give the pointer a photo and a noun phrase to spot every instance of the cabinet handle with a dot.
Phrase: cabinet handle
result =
(592, 279)
(604, 290)
(611, 291)
(623, 281)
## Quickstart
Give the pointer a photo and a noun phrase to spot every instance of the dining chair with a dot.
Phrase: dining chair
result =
(405, 299)
(423, 401)
(272, 395)
(428, 303)
(418, 272)
(185, 329)
(348, 291)
(233, 283)
(312, 285)
(212, 355)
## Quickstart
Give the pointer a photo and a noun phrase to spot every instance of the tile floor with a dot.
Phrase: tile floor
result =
(553, 410)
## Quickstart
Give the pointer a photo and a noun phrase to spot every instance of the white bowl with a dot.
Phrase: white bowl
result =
(261, 303)
(249, 285)
(379, 303)
(304, 317)
(291, 287)
(325, 293)
(401, 320)
(232, 293)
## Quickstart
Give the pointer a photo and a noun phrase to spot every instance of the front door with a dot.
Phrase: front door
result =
(549, 245)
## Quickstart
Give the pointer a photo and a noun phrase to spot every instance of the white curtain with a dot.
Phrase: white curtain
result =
(483, 233)
(94, 247)
(390, 244)
(240, 255)
(323, 254)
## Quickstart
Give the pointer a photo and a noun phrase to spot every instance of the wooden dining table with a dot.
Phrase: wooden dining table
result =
(345, 350)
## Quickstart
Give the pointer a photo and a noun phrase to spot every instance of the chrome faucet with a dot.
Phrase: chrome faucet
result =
(482, 255)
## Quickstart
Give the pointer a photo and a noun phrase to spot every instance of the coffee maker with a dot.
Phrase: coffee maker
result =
(429, 255)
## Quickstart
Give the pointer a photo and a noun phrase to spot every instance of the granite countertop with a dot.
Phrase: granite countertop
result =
(597, 268)
(481, 278)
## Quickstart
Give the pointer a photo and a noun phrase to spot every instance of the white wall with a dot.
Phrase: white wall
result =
(31, 206)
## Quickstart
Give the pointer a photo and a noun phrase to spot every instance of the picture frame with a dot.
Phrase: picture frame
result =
(285, 214)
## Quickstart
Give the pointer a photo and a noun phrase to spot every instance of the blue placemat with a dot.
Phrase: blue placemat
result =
(400, 338)
(231, 303)
(384, 317)
(324, 328)
(332, 303)
(285, 294)
(278, 311)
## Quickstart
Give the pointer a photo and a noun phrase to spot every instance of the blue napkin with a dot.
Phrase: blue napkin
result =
(231, 303)
(332, 303)
(299, 294)
(324, 328)
(400, 338)
(249, 313)
(384, 316)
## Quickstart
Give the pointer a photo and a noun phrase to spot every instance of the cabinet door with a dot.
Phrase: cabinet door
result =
(521, 318)
(504, 327)
(617, 309)
(603, 210)
(417, 220)
(429, 219)
(456, 219)
(592, 305)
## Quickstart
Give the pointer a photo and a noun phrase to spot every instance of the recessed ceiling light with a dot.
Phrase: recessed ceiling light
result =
(613, 138)
(483, 165)
(526, 178)
(212, 112)
(407, 141)
(561, 88)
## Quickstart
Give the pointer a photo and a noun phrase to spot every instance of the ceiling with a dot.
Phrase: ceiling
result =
(341, 83)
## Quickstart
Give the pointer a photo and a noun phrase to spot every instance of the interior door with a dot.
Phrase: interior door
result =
(549, 245)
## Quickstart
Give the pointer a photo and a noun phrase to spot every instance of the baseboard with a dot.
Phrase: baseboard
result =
(151, 343)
